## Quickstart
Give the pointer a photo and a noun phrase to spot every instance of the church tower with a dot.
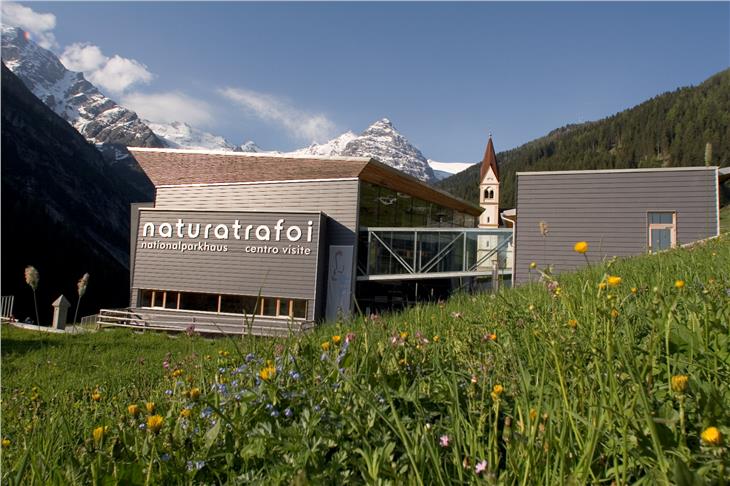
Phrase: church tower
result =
(489, 188)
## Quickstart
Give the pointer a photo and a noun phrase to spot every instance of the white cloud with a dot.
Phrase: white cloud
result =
(306, 126)
(83, 57)
(120, 73)
(169, 107)
(115, 75)
(38, 25)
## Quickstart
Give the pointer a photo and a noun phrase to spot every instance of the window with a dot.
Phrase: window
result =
(229, 304)
(662, 230)
(488, 193)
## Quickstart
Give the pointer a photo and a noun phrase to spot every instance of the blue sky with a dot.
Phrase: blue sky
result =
(446, 74)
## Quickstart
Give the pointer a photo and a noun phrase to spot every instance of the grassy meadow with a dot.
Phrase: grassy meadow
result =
(616, 374)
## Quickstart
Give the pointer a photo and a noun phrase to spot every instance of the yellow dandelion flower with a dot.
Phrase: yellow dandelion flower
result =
(154, 423)
(581, 247)
(133, 409)
(336, 339)
(326, 346)
(6, 442)
(223, 353)
(711, 436)
(614, 313)
(403, 335)
(99, 433)
(194, 393)
(436, 338)
(572, 323)
(602, 285)
(267, 373)
(533, 265)
(497, 391)
(177, 372)
(613, 280)
(150, 406)
(634, 290)
(96, 396)
(679, 383)
(185, 413)
(679, 284)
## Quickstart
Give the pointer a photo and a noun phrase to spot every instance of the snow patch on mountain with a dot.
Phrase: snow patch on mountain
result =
(446, 169)
(180, 135)
(333, 148)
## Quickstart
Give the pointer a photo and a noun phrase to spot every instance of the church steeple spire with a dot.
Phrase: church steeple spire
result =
(489, 188)
(489, 160)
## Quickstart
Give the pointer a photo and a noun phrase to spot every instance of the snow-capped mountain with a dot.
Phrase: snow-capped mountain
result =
(249, 147)
(71, 96)
(380, 140)
(333, 148)
(182, 135)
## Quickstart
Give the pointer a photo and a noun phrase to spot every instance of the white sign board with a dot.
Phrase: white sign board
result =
(339, 282)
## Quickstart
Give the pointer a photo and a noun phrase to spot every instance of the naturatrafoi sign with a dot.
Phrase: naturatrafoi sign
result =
(184, 235)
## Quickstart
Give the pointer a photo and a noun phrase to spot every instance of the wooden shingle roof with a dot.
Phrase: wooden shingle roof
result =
(172, 167)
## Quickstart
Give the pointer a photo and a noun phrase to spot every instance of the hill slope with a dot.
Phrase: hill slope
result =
(65, 210)
(669, 130)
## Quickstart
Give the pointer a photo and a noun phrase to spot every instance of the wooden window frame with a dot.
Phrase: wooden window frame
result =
(659, 226)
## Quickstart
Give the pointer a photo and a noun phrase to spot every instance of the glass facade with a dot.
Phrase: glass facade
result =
(383, 207)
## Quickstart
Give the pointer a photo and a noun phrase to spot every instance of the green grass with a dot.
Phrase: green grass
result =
(583, 393)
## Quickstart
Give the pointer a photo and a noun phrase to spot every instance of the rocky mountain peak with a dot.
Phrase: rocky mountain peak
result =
(71, 96)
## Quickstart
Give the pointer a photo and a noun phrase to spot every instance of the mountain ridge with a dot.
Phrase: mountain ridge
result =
(667, 130)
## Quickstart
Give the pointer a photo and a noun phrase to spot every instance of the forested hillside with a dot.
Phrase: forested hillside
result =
(669, 130)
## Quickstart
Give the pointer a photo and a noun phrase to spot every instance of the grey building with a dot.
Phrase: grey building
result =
(287, 241)
(618, 212)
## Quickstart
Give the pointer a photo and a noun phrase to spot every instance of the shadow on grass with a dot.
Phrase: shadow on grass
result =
(18, 347)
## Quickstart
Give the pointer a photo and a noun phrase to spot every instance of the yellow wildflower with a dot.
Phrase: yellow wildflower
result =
(326, 346)
(185, 413)
(614, 313)
(711, 436)
(99, 433)
(679, 284)
(436, 338)
(533, 414)
(154, 423)
(497, 391)
(403, 335)
(533, 265)
(267, 373)
(177, 372)
(679, 383)
(194, 393)
(6, 442)
(602, 285)
(581, 247)
(336, 339)
(613, 280)
(572, 323)
(133, 409)
(223, 353)
(634, 290)
(96, 396)
(150, 406)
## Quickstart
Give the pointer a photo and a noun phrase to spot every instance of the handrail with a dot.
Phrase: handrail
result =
(132, 318)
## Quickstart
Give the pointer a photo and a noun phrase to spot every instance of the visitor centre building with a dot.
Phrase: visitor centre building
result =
(270, 243)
